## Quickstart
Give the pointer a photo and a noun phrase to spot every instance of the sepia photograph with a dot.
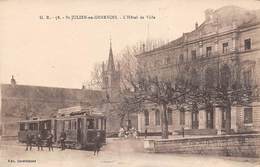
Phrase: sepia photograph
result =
(129, 83)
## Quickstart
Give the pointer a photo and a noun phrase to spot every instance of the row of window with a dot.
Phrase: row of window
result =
(248, 117)
(167, 60)
(91, 124)
(247, 46)
(157, 117)
(46, 125)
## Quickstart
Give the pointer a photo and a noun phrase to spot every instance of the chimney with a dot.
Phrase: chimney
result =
(196, 25)
(83, 87)
(13, 82)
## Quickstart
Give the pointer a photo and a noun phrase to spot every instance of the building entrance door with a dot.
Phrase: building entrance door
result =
(224, 118)
(209, 112)
(195, 122)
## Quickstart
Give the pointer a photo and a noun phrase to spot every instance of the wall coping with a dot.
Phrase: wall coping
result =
(204, 137)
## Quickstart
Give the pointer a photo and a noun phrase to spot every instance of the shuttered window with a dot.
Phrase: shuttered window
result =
(248, 115)
(157, 117)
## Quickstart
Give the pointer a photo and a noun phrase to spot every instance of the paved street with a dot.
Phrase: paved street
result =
(117, 153)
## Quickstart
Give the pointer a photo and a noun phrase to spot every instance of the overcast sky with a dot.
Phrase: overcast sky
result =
(62, 53)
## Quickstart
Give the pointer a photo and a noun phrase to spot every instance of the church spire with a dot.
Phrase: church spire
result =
(111, 64)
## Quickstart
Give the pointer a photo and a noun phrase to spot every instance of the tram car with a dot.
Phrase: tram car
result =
(81, 125)
(34, 127)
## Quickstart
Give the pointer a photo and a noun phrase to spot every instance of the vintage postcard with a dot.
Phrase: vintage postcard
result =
(130, 83)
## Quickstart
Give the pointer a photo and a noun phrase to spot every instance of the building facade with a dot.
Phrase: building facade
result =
(224, 50)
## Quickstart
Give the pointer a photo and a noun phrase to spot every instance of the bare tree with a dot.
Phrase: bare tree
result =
(225, 94)
(96, 80)
(132, 95)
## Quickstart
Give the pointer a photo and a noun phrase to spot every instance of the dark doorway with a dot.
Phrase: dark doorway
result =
(210, 78)
(195, 122)
(194, 116)
(225, 75)
(224, 118)
(209, 116)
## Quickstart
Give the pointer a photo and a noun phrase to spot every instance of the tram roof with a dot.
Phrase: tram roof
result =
(34, 120)
(79, 111)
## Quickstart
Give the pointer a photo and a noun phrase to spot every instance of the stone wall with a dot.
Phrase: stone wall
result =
(247, 145)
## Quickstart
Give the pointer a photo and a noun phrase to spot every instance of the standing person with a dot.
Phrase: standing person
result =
(39, 141)
(145, 133)
(29, 138)
(62, 140)
(97, 143)
(135, 134)
(49, 141)
(121, 132)
(182, 129)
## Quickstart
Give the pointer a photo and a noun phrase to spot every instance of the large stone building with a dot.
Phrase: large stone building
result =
(224, 50)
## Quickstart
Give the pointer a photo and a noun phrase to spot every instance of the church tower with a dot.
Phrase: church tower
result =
(111, 78)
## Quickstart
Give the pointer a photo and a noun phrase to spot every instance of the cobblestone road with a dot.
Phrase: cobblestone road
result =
(117, 153)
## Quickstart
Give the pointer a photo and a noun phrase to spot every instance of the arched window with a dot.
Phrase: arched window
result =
(209, 78)
(194, 78)
(209, 116)
(182, 116)
(193, 55)
(146, 117)
(157, 117)
(181, 58)
(247, 70)
(194, 116)
(225, 75)
(169, 116)
(247, 78)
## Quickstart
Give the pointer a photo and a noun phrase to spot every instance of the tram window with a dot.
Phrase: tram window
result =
(97, 123)
(105, 125)
(67, 125)
(47, 125)
(90, 123)
(73, 124)
(102, 123)
(33, 126)
(22, 126)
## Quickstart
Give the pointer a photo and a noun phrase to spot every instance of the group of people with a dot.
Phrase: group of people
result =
(123, 133)
(38, 140)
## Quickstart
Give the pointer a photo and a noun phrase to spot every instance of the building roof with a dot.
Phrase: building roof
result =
(79, 110)
(227, 16)
(48, 94)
